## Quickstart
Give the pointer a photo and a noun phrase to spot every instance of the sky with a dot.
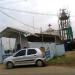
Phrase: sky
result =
(28, 21)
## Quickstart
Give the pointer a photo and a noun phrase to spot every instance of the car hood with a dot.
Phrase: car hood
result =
(9, 58)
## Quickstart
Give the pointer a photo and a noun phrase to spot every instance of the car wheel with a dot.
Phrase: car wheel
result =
(9, 65)
(39, 63)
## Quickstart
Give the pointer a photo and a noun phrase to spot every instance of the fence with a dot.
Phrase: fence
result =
(51, 49)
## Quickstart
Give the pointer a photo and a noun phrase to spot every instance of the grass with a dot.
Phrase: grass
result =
(66, 60)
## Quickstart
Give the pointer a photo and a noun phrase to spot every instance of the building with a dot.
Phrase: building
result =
(20, 40)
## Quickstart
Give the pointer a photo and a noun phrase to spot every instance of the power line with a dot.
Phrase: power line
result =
(28, 12)
(1, 1)
(11, 2)
(16, 19)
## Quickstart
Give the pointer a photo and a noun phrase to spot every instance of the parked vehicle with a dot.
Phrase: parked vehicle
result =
(26, 56)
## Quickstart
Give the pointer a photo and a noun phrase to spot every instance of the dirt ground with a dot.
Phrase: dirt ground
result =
(48, 70)
(32, 70)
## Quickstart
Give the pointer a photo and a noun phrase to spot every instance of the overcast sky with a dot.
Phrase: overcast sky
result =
(51, 7)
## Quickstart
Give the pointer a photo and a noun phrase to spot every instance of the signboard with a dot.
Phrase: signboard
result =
(47, 54)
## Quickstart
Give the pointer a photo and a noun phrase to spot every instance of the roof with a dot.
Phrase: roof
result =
(39, 37)
(51, 31)
(10, 32)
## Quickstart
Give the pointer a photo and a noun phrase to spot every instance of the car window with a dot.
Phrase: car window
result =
(21, 53)
(31, 51)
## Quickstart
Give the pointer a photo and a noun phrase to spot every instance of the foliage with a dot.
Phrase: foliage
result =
(62, 60)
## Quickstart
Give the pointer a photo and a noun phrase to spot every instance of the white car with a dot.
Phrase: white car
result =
(25, 57)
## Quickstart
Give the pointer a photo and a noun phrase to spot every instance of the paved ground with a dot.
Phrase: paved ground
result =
(32, 70)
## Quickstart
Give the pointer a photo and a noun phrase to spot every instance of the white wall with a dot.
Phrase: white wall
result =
(39, 44)
(1, 50)
(55, 50)
(60, 50)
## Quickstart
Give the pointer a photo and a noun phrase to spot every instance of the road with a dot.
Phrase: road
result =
(32, 70)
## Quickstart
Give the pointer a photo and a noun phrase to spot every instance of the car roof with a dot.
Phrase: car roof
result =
(29, 48)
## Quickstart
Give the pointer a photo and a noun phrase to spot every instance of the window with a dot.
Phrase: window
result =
(21, 53)
(31, 51)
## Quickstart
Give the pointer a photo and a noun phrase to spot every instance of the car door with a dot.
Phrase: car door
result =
(31, 56)
(19, 57)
